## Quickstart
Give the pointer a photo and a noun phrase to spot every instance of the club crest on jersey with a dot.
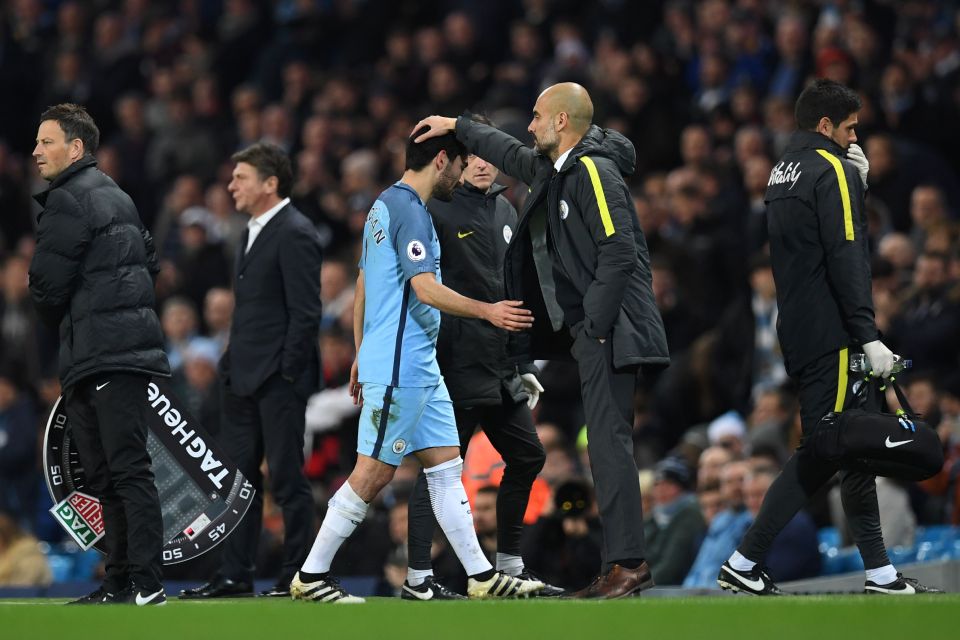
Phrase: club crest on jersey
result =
(399, 445)
(564, 209)
(416, 251)
(507, 233)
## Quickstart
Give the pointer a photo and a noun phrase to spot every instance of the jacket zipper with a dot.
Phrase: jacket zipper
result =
(554, 180)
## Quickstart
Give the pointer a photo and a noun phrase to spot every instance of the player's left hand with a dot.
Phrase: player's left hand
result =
(356, 389)
(533, 389)
(856, 156)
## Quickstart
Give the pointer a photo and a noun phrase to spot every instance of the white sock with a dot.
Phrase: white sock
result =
(882, 575)
(452, 510)
(740, 562)
(344, 512)
(509, 564)
(415, 577)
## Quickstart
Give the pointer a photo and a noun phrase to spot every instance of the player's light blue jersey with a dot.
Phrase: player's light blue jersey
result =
(399, 332)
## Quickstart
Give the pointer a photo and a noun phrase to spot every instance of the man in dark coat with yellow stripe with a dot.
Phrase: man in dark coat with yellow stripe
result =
(579, 261)
(821, 265)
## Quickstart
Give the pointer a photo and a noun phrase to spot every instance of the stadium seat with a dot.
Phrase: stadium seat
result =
(61, 566)
(902, 555)
(933, 551)
(955, 552)
(937, 534)
(69, 563)
(829, 538)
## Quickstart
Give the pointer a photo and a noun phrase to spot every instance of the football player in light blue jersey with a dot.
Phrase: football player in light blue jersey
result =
(405, 405)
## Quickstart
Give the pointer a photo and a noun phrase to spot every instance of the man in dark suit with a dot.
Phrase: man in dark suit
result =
(271, 365)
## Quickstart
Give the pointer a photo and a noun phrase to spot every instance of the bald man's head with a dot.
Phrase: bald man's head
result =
(562, 115)
(572, 99)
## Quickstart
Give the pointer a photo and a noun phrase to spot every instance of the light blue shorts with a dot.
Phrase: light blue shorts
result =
(397, 421)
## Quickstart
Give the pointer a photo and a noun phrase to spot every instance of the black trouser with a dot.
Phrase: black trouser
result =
(608, 407)
(509, 426)
(269, 423)
(107, 416)
(824, 386)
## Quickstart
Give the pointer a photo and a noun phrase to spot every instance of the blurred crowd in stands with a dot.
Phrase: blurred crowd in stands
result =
(705, 91)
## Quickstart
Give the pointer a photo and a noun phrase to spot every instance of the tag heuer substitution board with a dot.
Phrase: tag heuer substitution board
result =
(203, 495)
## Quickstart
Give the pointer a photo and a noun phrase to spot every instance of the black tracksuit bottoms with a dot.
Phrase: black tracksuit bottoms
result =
(824, 386)
(107, 416)
(509, 426)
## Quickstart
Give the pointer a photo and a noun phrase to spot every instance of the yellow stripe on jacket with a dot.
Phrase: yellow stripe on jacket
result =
(598, 191)
(844, 192)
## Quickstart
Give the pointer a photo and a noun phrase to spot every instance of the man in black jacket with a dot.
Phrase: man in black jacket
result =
(271, 366)
(92, 275)
(475, 229)
(821, 266)
(579, 261)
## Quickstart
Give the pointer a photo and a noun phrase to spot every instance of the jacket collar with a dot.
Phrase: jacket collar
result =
(269, 229)
(493, 192)
(607, 143)
(802, 139)
(69, 172)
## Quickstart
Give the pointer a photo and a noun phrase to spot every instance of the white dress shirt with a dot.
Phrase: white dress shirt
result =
(562, 159)
(256, 224)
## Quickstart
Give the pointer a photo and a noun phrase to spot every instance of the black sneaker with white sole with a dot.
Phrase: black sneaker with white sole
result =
(429, 589)
(100, 596)
(899, 587)
(755, 582)
(141, 597)
(548, 591)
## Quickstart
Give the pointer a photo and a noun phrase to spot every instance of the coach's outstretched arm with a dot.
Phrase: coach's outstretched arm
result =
(506, 314)
(501, 150)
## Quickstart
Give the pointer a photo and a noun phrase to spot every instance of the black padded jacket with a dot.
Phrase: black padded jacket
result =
(92, 275)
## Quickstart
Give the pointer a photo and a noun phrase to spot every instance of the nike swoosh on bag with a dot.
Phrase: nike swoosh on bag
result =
(462, 235)
(101, 386)
(891, 444)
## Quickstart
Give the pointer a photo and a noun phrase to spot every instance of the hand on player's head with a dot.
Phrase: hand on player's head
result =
(439, 125)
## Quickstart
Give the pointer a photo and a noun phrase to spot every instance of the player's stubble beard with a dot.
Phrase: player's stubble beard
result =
(446, 183)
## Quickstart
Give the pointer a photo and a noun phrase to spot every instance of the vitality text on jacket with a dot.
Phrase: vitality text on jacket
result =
(791, 174)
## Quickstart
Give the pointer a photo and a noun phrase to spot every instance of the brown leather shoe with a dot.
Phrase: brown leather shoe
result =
(587, 592)
(619, 582)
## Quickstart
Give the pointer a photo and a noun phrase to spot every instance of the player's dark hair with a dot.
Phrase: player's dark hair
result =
(420, 154)
(76, 124)
(269, 160)
(825, 98)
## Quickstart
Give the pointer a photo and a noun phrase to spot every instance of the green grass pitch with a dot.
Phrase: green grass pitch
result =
(805, 617)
